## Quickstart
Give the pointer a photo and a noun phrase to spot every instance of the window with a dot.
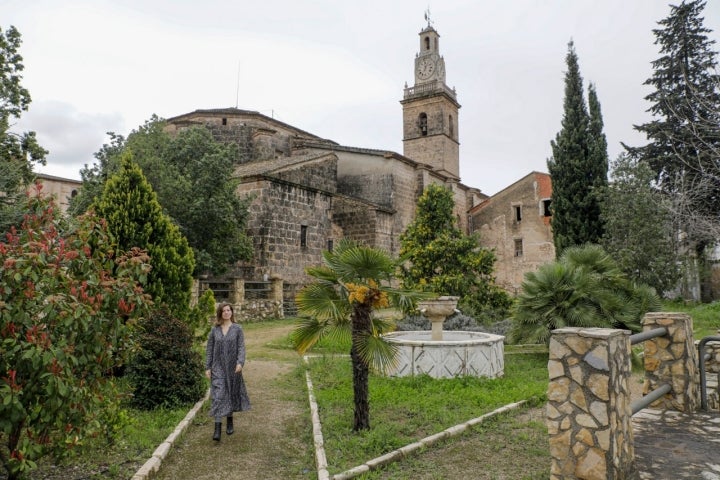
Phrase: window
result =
(330, 245)
(303, 235)
(422, 123)
(224, 121)
(518, 247)
(546, 208)
(427, 43)
(451, 126)
(517, 209)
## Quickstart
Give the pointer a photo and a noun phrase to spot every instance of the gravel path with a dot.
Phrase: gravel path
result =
(271, 441)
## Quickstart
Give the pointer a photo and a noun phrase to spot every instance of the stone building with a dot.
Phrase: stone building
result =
(63, 189)
(515, 222)
(308, 192)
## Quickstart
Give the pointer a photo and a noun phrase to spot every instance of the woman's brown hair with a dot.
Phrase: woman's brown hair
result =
(219, 310)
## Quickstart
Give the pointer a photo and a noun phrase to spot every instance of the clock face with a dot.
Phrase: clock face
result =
(426, 67)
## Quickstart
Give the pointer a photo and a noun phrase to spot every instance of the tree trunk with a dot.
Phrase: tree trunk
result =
(361, 325)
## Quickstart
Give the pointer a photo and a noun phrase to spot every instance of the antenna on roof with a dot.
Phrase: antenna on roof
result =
(237, 91)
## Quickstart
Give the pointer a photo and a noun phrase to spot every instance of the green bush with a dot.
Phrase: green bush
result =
(166, 371)
(584, 288)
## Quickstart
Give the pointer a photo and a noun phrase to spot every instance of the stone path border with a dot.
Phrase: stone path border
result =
(153, 464)
(390, 457)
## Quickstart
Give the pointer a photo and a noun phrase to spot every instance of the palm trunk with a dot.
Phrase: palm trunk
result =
(361, 325)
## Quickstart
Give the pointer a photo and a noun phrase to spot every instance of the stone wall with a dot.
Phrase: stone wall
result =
(278, 217)
(588, 409)
(589, 406)
(672, 359)
(496, 221)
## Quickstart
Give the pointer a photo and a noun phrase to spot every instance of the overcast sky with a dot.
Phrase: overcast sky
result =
(334, 68)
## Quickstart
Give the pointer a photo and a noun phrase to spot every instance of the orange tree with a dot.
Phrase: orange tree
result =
(353, 281)
(67, 306)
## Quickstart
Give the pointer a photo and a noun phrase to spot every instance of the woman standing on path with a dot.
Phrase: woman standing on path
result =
(224, 360)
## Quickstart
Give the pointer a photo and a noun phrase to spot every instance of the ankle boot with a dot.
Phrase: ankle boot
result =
(230, 428)
(218, 430)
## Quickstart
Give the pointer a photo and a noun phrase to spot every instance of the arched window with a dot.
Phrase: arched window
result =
(451, 125)
(422, 123)
(427, 43)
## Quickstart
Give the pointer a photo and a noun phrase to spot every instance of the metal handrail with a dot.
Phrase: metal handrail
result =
(663, 389)
(647, 335)
(646, 400)
(703, 358)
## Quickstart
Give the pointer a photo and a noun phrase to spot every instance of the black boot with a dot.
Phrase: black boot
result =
(230, 428)
(218, 430)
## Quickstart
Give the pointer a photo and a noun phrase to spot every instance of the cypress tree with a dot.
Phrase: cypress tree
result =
(578, 166)
(135, 219)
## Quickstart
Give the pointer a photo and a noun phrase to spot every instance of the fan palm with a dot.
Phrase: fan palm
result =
(352, 282)
(584, 288)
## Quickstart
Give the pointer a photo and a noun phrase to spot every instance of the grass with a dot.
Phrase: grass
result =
(706, 317)
(119, 458)
(406, 409)
(513, 445)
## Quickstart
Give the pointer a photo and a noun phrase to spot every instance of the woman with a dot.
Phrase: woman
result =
(224, 360)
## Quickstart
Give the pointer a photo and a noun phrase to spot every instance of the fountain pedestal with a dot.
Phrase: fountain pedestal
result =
(437, 310)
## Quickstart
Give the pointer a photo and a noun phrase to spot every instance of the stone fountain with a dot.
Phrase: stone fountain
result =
(448, 354)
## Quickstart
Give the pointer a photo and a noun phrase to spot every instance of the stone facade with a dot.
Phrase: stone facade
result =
(515, 222)
(307, 193)
(63, 189)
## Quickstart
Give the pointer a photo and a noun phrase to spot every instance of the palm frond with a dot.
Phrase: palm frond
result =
(377, 353)
(307, 333)
(322, 301)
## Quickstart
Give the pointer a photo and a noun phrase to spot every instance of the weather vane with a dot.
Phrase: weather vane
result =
(427, 17)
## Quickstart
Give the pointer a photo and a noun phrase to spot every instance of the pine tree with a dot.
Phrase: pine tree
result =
(578, 166)
(684, 134)
(135, 219)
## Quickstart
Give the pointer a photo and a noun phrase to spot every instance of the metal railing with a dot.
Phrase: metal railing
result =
(701, 359)
(663, 389)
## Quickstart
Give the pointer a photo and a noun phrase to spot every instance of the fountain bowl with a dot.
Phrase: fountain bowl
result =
(459, 353)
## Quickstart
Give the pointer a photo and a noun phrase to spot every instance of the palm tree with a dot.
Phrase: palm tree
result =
(352, 282)
(584, 288)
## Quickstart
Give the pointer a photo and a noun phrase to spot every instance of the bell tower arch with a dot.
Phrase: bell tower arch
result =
(430, 110)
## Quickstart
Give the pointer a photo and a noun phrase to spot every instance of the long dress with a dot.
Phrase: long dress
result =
(222, 354)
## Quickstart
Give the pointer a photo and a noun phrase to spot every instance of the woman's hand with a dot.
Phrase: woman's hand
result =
(238, 368)
(207, 373)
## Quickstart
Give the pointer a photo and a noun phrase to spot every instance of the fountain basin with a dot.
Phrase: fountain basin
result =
(458, 354)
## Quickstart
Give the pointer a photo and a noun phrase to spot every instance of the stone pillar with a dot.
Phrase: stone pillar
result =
(237, 295)
(276, 294)
(588, 412)
(672, 359)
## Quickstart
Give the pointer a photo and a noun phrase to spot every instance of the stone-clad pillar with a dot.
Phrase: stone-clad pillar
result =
(672, 359)
(237, 294)
(588, 412)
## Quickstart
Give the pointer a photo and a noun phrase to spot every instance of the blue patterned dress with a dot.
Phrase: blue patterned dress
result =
(227, 388)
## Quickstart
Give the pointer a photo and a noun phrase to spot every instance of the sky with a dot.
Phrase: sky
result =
(334, 68)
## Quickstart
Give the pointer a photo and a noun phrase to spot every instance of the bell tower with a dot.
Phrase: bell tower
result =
(430, 110)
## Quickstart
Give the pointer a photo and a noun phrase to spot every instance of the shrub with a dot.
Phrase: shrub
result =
(584, 288)
(166, 371)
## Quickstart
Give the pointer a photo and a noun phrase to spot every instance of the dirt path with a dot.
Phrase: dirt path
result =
(271, 441)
